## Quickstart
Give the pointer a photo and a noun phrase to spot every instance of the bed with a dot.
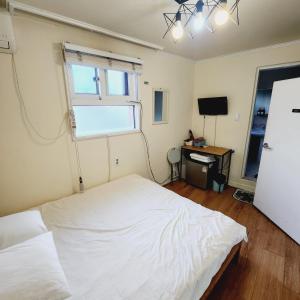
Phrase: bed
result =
(133, 239)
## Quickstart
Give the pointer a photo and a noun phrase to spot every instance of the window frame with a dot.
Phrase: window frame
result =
(103, 99)
(165, 106)
(136, 113)
(132, 94)
(78, 97)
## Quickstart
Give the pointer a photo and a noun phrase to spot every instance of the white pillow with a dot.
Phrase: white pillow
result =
(31, 270)
(20, 227)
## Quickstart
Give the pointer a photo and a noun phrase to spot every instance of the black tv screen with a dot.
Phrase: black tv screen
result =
(213, 106)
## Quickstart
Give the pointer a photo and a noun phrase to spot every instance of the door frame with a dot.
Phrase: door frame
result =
(254, 94)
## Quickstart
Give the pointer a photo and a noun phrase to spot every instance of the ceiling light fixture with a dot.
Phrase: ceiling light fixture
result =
(221, 17)
(198, 19)
(192, 17)
(177, 30)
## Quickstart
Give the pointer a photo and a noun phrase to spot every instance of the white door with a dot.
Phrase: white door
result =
(277, 192)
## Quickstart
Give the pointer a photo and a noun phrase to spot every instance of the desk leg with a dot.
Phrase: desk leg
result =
(222, 163)
(180, 165)
(221, 171)
(229, 165)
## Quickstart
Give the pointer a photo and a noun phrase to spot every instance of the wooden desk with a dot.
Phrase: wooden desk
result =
(218, 152)
(210, 150)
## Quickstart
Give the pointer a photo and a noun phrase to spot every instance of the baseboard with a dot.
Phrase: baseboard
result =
(243, 186)
(169, 180)
(166, 182)
(233, 183)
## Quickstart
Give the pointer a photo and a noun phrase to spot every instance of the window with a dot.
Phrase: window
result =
(85, 79)
(117, 82)
(160, 106)
(95, 120)
(103, 98)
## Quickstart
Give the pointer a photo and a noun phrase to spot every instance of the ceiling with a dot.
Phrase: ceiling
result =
(262, 23)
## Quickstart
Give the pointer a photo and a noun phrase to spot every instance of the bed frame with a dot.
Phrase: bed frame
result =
(233, 256)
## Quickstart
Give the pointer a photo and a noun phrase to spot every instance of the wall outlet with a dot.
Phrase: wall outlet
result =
(117, 161)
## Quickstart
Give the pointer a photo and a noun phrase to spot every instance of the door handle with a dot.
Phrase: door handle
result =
(266, 146)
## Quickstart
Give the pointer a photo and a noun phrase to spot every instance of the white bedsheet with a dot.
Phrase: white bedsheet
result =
(132, 239)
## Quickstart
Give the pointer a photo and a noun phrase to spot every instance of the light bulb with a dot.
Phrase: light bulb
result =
(221, 17)
(198, 21)
(177, 30)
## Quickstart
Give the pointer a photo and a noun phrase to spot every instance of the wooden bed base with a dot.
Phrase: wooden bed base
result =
(232, 256)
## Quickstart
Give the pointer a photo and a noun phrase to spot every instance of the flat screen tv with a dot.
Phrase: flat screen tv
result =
(213, 106)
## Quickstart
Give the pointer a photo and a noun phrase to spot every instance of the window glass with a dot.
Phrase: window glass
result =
(95, 120)
(85, 79)
(117, 82)
(109, 113)
(158, 106)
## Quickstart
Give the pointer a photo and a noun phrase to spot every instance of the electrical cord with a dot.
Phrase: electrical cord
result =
(203, 126)
(77, 158)
(81, 185)
(108, 156)
(30, 127)
(148, 148)
(25, 116)
(215, 131)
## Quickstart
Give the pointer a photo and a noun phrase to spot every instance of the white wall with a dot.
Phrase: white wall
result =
(32, 172)
(234, 76)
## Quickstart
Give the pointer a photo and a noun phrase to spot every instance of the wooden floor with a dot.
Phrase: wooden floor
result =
(269, 264)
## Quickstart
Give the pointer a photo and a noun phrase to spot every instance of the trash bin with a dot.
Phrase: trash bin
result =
(219, 181)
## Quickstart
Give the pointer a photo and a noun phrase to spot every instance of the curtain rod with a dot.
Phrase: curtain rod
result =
(95, 52)
(12, 5)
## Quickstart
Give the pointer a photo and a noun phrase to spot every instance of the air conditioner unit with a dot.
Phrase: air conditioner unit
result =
(7, 38)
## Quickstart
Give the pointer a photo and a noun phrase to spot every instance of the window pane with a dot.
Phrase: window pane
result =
(85, 79)
(93, 120)
(117, 83)
(158, 106)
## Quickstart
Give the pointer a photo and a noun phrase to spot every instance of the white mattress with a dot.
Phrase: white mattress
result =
(132, 239)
